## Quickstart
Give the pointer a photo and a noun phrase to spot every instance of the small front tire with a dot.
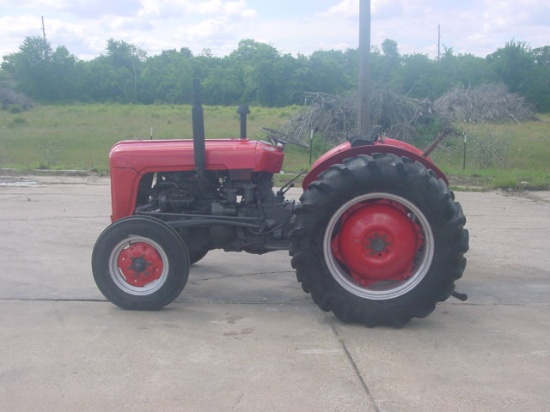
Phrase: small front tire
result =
(140, 263)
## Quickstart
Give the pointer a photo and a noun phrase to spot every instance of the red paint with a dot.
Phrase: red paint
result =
(131, 159)
(377, 242)
(140, 264)
(145, 156)
(343, 151)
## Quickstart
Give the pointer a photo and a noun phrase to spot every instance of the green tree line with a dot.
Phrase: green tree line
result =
(260, 74)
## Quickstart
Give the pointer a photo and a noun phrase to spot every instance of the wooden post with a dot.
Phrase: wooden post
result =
(363, 116)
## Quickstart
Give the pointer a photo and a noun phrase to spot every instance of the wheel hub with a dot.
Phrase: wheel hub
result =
(377, 241)
(140, 264)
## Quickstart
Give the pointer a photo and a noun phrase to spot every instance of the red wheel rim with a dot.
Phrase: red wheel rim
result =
(377, 242)
(140, 264)
(378, 246)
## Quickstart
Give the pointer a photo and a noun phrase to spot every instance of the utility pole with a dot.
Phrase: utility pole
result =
(44, 34)
(363, 116)
(438, 42)
(43, 29)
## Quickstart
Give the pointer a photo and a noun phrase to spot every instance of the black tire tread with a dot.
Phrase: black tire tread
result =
(154, 229)
(385, 173)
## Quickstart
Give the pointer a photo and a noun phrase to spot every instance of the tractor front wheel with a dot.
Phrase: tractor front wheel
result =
(140, 263)
(378, 240)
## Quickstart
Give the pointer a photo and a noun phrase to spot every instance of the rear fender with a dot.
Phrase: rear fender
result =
(343, 151)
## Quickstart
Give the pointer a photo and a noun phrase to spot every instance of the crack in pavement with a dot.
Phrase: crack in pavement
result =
(241, 275)
(351, 360)
(185, 301)
(495, 304)
(51, 300)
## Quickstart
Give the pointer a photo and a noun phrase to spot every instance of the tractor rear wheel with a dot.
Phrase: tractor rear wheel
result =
(140, 263)
(378, 240)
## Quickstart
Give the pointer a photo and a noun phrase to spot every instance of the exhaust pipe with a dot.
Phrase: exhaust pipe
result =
(197, 116)
(243, 110)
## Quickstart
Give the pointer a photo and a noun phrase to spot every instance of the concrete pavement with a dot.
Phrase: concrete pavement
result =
(244, 337)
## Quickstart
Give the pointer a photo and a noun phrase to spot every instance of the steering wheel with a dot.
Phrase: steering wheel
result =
(278, 137)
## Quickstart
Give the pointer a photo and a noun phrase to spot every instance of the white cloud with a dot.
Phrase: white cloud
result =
(84, 26)
(221, 8)
(345, 9)
(78, 8)
(13, 30)
(386, 9)
(187, 8)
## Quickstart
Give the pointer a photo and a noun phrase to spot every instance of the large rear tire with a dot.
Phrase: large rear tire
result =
(140, 263)
(378, 240)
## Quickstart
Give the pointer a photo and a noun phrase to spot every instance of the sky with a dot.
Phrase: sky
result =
(477, 27)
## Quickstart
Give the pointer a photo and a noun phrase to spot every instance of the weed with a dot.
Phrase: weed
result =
(490, 147)
(17, 122)
(50, 154)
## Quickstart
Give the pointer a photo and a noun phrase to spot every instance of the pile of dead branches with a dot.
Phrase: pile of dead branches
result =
(334, 117)
(397, 114)
(10, 99)
(485, 103)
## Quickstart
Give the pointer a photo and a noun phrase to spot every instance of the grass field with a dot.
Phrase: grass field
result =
(513, 156)
(507, 156)
(80, 136)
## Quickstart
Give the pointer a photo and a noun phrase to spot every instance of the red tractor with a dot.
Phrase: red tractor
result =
(376, 238)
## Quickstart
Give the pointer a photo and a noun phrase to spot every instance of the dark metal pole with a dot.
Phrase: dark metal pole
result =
(464, 158)
(363, 116)
(243, 110)
(311, 147)
(198, 128)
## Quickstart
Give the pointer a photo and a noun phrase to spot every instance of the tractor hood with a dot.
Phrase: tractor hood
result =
(145, 156)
